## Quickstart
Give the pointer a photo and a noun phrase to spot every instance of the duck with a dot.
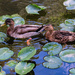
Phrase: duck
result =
(59, 36)
(22, 31)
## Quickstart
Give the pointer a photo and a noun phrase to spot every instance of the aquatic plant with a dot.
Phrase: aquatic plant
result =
(68, 25)
(26, 53)
(67, 55)
(5, 53)
(70, 4)
(2, 36)
(72, 71)
(34, 9)
(2, 72)
(53, 47)
(16, 17)
(52, 62)
(11, 64)
(23, 66)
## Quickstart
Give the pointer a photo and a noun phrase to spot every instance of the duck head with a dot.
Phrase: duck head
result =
(9, 22)
(49, 28)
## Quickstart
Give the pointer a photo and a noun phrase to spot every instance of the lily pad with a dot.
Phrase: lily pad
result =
(18, 21)
(3, 35)
(33, 8)
(24, 67)
(72, 70)
(68, 55)
(70, 4)
(52, 62)
(5, 53)
(2, 39)
(26, 53)
(3, 18)
(16, 17)
(11, 64)
(53, 48)
(2, 72)
(68, 25)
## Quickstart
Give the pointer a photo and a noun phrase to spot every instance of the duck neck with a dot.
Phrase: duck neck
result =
(50, 31)
(11, 27)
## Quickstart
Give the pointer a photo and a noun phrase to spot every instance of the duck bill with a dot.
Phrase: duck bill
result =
(3, 24)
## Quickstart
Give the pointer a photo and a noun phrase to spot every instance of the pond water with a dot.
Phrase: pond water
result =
(54, 14)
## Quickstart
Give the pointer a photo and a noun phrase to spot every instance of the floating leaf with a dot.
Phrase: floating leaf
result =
(2, 39)
(18, 21)
(53, 48)
(68, 25)
(17, 18)
(3, 35)
(2, 72)
(0, 68)
(67, 55)
(33, 8)
(70, 4)
(24, 67)
(72, 70)
(3, 18)
(52, 62)
(11, 64)
(5, 53)
(26, 53)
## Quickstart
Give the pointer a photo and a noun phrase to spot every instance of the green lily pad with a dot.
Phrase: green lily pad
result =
(4, 17)
(18, 21)
(52, 62)
(68, 25)
(16, 17)
(11, 63)
(24, 68)
(26, 53)
(2, 72)
(3, 35)
(33, 8)
(72, 70)
(67, 55)
(2, 39)
(70, 4)
(5, 53)
(53, 48)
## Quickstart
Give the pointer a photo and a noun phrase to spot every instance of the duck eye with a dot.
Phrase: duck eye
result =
(8, 21)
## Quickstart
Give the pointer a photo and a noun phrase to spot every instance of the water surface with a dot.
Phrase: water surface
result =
(54, 14)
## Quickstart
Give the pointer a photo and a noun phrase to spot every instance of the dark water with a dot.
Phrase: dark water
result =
(54, 14)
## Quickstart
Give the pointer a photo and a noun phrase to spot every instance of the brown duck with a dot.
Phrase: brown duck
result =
(22, 31)
(59, 36)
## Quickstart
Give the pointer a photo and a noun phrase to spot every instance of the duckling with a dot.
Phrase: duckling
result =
(22, 31)
(59, 36)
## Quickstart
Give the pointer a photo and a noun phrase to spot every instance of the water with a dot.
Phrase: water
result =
(54, 14)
